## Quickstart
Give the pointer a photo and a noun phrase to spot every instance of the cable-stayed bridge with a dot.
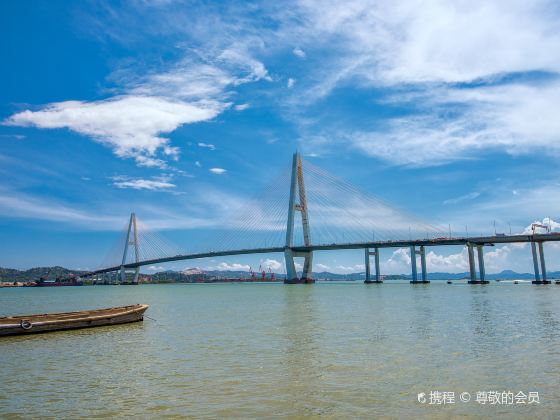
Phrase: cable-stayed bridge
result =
(305, 210)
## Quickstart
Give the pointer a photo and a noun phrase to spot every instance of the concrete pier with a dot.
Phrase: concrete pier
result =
(472, 269)
(481, 269)
(472, 265)
(538, 279)
(423, 264)
(375, 253)
(422, 254)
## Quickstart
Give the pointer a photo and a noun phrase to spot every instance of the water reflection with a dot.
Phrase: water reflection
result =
(422, 311)
(483, 320)
(302, 330)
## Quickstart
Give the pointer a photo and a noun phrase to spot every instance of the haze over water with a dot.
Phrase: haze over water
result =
(262, 350)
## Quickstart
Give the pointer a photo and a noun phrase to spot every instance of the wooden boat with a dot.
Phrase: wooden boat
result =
(29, 324)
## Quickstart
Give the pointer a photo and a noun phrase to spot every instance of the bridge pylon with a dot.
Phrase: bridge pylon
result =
(131, 240)
(297, 190)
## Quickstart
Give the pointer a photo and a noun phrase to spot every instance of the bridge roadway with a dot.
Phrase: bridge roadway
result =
(480, 240)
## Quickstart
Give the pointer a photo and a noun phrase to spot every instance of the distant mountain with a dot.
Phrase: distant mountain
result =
(198, 275)
(34, 274)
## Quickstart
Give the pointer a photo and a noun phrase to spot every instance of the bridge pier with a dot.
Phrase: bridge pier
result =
(538, 275)
(481, 268)
(422, 254)
(375, 253)
(423, 264)
(291, 273)
(472, 264)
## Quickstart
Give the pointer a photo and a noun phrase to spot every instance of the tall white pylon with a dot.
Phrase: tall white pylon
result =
(297, 187)
(131, 241)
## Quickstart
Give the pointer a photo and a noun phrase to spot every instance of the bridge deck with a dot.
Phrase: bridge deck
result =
(480, 240)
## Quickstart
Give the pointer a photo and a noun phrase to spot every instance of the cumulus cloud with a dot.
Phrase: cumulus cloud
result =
(223, 266)
(542, 226)
(453, 263)
(399, 258)
(496, 259)
(291, 83)
(274, 265)
(218, 171)
(322, 267)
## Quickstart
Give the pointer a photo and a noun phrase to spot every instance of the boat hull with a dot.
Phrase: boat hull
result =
(33, 324)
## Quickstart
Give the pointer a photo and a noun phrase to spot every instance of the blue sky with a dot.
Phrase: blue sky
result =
(181, 111)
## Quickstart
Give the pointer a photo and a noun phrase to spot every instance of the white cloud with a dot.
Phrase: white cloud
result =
(18, 205)
(204, 207)
(156, 268)
(274, 265)
(223, 266)
(299, 52)
(197, 163)
(158, 183)
(498, 259)
(514, 118)
(466, 197)
(400, 261)
(453, 263)
(129, 125)
(207, 146)
(242, 107)
(437, 40)
(400, 258)
(240, 57)
(291, 83)
(217, 171)
(550, 226)
(428, 48)
(322, 267)
(195, 89)
(532, 202)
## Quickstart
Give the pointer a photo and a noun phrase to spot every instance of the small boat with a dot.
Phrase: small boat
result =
(29, 324)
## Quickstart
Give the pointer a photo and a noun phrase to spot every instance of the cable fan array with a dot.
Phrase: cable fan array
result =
(259, 223)
(339, 213)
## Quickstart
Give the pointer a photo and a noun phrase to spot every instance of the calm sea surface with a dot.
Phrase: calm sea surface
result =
(267, 350)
